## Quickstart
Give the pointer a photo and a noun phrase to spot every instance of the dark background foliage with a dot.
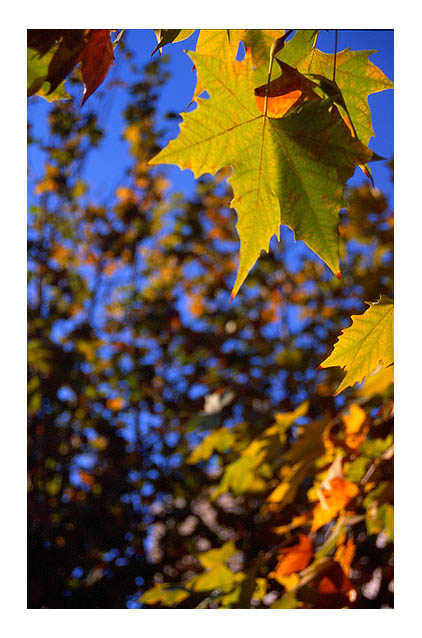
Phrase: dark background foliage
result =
(136, 353)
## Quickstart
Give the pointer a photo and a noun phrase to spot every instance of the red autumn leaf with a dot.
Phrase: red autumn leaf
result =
(286, 91)
(96, 60)
(335, 589)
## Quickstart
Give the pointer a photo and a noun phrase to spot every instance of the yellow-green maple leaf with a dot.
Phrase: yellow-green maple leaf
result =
(285, 171)
(366, 344)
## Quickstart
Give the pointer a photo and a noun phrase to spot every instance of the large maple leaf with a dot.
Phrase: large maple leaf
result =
(366, 344)
(285, 171)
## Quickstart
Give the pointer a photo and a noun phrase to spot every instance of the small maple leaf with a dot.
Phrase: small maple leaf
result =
(334, 494)
(344, 555)
(293, 559)
(368, 342)
(355, 426)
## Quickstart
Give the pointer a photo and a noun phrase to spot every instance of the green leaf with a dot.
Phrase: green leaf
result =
(260, 42)
(220, 577)
(381, 520)
(376, 447)
(283, 420)
(288, 601)
(220, 440)
(37, 69)
(368, 342)
(215, 557)
(331, 543)
(355, 470)
(285, 171)
(239, 477)
(164, 594)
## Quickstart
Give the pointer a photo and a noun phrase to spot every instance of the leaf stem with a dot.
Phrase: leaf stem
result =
(335, 54)
(277, 45)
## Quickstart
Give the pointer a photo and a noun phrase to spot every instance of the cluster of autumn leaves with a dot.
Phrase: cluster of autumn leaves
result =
(53, 54)
(318, 546)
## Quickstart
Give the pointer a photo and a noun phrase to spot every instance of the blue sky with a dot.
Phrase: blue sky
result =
(107, 165)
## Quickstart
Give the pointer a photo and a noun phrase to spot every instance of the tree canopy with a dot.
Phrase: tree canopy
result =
(197, 438)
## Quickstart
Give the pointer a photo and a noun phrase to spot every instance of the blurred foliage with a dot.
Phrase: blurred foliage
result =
(185, 450)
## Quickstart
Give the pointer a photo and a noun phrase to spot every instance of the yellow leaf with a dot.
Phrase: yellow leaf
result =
(377, 383)
(355, 427)
(333, 500)
(344, 555)
(368, 342)
(285, 171)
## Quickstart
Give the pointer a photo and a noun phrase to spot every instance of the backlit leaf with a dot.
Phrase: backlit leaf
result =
(214, 557)
(333, 499)
(366, 344)
(378, 383)
(355, 428)
(344, 555)
(239, 477)
(96, 58)
(285, 171)
(167, 36)
(220, 577)
(165, 594)
(293, 559)
(219, 440)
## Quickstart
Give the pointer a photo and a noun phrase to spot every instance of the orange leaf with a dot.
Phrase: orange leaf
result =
(293, 559)
(345, 554)
(196, 305)
(86, 478)
(332, 500)
(355, 426)
(96, 59)
(286, 91)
